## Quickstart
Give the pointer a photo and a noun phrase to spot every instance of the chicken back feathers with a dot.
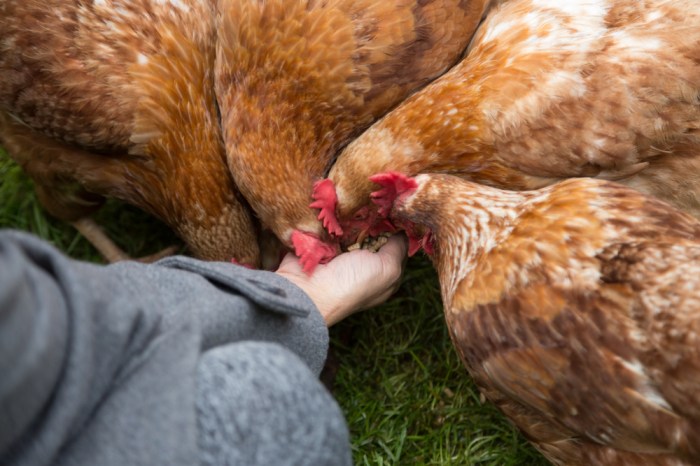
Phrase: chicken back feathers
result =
(116, 98)
(296, 80)
(576, 308)
(550, 90)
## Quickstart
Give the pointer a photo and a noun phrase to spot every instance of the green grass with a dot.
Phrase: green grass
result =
(406, 396)
(133, 230)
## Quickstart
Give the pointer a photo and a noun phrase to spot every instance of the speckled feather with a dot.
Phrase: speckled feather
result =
(551, 90)
(116, 98)
(576, 308)
(297, 80)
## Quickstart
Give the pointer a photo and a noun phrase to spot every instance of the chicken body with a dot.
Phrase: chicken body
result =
(549, 90)
(116, 98)
(297, 80)
(576, 308)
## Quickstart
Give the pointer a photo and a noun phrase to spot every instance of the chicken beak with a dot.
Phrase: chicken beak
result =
(362, 236)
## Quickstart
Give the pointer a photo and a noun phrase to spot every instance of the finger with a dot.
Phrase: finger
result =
(397, 246)
(290, 262)
(380, 299)
(393, 256)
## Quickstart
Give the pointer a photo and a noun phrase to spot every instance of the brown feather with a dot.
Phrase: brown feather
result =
(577, 309)
(296, 81)
(552, 90)
(116, 98)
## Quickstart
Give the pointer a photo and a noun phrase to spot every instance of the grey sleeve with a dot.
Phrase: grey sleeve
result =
(85, 350)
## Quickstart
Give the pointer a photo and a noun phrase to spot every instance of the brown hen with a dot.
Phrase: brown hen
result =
(576, 308)
(548, 90)
(297, 80)
(116, 98)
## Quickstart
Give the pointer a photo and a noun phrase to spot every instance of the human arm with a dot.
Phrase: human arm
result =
(93, 355)
(106, 355)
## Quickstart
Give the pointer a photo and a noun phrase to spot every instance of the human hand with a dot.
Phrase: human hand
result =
(352, 281)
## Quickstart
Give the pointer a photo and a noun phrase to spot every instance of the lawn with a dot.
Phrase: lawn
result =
(404, 392)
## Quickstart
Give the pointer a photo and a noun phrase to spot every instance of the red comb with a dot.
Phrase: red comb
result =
(393, 185)
(326, 199)
(311, 250)
(414, 245)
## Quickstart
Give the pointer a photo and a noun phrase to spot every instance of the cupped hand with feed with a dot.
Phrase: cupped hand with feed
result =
(351, 282)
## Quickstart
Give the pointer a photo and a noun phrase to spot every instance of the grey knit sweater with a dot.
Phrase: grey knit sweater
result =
(175, 363)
